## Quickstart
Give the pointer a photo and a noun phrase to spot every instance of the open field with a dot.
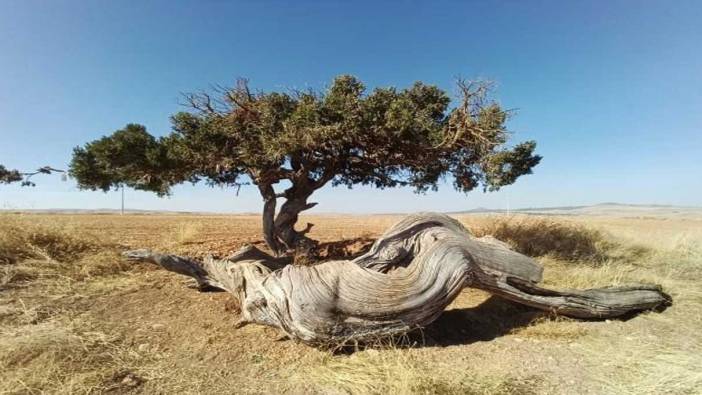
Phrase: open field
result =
(76, 318)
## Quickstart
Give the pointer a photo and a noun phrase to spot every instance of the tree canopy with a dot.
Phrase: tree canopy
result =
(387, 137)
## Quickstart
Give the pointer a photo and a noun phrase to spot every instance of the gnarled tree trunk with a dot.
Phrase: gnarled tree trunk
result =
(279, 230)
(405, 281)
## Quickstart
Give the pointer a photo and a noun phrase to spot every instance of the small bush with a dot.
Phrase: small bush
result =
(25, 240)
(538, 236)
(30, 250)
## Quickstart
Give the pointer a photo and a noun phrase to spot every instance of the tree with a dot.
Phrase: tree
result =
(406, 280)
(10, 176)
(343, 136)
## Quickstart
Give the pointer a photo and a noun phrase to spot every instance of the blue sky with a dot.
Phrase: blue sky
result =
(611, 90)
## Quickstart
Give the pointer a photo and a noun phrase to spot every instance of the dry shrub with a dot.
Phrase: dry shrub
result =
(188, 233)
(30, 250)
(539, 236)
(23, 239)
(103, 263)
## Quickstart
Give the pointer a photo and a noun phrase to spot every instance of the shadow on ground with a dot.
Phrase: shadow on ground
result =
(344, 249)
(493, 318)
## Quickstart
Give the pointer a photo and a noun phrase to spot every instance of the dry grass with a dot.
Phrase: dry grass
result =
(58, 355)
(75, 318)
(557, 238)
(45, 250)
(550, 328)
(24, 239)
(399, 371)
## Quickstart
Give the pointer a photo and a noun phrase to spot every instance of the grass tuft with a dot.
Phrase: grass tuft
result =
(548, 328)
(401, 371)
(20, 238)
(30, 250)
(542, 236)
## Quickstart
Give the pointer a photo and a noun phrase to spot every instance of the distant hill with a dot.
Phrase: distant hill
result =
(109, 211)
(602, 209)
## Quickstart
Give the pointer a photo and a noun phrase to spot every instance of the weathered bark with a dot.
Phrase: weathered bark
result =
(405, 281)
(268, 218)
(279, 230)
(287, 218)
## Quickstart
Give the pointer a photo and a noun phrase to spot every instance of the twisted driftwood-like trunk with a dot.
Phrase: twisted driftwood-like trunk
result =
(405, 281)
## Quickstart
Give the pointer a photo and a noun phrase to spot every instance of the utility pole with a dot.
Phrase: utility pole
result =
(507, 190)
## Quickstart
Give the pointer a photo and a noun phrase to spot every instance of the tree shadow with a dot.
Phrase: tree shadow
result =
(343, 249)
(491, 319)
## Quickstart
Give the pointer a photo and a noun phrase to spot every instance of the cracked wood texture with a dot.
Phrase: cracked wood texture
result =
(404, 282)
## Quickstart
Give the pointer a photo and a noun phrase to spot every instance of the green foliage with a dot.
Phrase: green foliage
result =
(386, 138)
(9, 176)
(131, 157)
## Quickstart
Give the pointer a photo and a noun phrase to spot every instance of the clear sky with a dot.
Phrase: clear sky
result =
(611, 90)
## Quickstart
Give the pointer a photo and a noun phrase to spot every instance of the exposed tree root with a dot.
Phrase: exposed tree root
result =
(405, 281)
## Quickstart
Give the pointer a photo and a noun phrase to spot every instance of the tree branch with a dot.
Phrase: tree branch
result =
(10, 176)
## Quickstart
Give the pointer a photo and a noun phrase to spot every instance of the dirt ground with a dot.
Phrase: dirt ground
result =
(75, 318)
